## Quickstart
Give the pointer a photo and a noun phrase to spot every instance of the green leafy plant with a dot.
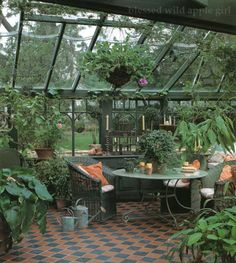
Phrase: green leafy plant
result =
(122, 61)
(152, 116)
(159, 145)
(35, 117)
(23, 199)
(198, 132)
(54, 174)
(208, 238)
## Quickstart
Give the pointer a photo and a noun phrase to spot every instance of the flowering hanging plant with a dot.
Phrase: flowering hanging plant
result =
(119, 63)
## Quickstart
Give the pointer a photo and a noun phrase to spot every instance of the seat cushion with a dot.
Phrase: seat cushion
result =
(95, 170)
(179, 184)
(107, 188)
(207, 192)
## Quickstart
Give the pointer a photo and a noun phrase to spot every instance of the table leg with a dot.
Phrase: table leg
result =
(195, 195)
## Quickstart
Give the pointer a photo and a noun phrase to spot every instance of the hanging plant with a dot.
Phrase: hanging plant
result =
(118, 63)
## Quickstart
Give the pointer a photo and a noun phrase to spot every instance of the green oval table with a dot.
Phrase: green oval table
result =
(168, 176)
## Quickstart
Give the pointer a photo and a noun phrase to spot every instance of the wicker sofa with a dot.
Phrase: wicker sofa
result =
(89, 189)
(215, 190)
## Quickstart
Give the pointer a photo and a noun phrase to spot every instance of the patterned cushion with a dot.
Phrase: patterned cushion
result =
(207, 192)
(107, 188)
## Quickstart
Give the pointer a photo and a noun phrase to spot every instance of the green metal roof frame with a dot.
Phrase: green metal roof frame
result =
(214, 15)
(104, 22)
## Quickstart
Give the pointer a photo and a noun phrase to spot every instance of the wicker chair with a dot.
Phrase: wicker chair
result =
(220, 193)
(89, 189)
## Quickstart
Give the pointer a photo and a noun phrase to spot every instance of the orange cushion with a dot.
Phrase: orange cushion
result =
(233, 171)
(226, 173)
(229, 158)
(196, 164)
(95, 170)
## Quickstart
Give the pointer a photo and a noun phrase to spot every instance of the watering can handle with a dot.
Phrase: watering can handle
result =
(78, 200)
(70, 212)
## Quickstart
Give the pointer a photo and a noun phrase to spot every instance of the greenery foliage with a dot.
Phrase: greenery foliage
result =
(54, 174)
(136, 59)
(23, 199)
(212, 237)
(199, 128)
(159, 145)
(35, 117)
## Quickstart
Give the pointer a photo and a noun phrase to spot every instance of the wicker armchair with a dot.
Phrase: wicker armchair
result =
(89, 189)
(220, 192)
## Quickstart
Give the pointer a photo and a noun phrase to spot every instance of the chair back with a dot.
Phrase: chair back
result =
(9, 158)
(214, 174)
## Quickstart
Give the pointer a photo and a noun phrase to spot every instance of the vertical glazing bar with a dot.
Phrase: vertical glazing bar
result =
(73, 126)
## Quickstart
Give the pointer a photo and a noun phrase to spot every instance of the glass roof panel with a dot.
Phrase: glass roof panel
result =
(76, 39)
(36, 49)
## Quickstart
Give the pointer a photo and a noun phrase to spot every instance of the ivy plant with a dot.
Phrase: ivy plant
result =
(23, 199)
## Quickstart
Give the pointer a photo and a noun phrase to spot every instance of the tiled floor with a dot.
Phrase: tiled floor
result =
(112, 242)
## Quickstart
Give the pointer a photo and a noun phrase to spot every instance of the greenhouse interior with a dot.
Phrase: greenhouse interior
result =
(118, 131)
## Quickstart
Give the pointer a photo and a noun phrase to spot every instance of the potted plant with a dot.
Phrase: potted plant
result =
(158, 148)
(119, 63)
(152, 116)
(23, 199)
(54, 174)
(208, 239)
(36, 118)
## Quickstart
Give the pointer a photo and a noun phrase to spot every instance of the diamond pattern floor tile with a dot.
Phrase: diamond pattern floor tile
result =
(112, 241)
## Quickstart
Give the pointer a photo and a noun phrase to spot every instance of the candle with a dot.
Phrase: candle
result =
(115, 139)
(174, 120)
(170, 120)
(5, 109)
(164, 119)
(143, 123)
(107, 122)
(137, 139)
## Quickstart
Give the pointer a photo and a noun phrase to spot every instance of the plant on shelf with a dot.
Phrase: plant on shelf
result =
(158, 147)
(208, 239)
(23, 200)
(119, 63)
(54, 174)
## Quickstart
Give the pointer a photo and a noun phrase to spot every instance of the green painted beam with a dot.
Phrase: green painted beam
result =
(55, 53)
(83, 21)
(167, 47)
(218, 15)
(90, 48)
(179, 73)
(197, 75)
(220, 83)
(18, 42)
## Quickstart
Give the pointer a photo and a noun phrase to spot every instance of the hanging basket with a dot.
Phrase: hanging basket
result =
(119, 76)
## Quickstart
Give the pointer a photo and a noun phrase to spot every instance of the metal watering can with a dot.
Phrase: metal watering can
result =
(81, 213)
(68, 221)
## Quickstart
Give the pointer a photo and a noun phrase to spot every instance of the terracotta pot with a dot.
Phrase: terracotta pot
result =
(44, 153)
(60, 203)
